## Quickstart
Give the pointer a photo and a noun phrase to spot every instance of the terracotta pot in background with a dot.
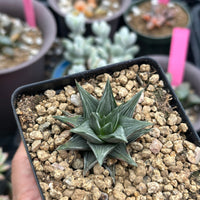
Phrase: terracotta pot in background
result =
(192, 75)
(112, 20)
(27, 72)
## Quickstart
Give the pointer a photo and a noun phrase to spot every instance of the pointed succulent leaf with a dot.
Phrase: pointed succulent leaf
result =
(101, 151)
(89, 161)
(107, 129)
(183, 90)
(85, 131)
(71, 121)
(4, 168)
(111, 170)
(121, 153)
(75, 143)
(137, 134)
(3, 157)
(193, 99)
(89, 102)
(131, 125)
(132, 50)
(94, 123)
(127, 108)
(116, 137)
(104, 108)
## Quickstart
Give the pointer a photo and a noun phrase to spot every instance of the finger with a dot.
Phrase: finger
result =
(23, 181)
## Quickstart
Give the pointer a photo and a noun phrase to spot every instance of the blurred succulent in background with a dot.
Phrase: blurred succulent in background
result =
(3, 166)
(94, 51)
(159, 15)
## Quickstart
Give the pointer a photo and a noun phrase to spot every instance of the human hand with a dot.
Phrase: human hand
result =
(23, 182)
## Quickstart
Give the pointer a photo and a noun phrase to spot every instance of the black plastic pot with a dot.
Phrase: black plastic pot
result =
(191, 75)
(150, 44)
(58, 84)
(27, 72)
(63, 30)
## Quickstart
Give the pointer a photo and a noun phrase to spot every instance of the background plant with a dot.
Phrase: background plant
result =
(94, 51)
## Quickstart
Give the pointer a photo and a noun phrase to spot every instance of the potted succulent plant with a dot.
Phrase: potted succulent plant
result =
(83, 53)
(154, 22)
(112, 19)
(26, 72)
(81, 144)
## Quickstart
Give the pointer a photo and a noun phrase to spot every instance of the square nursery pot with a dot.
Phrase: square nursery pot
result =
(27, 72)
(63, 30)
(168, 139)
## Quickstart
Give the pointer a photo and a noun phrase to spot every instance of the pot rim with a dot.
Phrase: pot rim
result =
(155, 38)
(46, 44)
(125, 4)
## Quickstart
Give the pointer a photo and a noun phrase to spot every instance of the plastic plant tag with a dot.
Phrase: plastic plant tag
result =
(163, 1)
(178, 53)
(29, 12)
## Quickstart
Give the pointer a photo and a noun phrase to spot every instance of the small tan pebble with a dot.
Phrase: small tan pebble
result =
(154, 79)
(153, 187)
(122, 92)
(148, 101)
(44, 186)
(43, 155)
(97, 169)
(50, 93)
(189, 145)
(160, 118)
(37, 165)
(130, 75)
(168, 187)
(98, 91)
(146, 153)
(142, 188)
(129, 85)
(41, 120)
(136, 146)
(141, 171)
(44, 126)
(120, 171)
(178, 146)
(36, 135)
(155, 146)
(191, 157)
(183, 127)
(69, 90)
(58, 174)
(135, 68)
(96, 193)
(165, 130)
(35, 145)
(68, 193)
(172, 119)
(151, 88)
(145, 68)
(129, 191)
(51, 110)
(123, 80)
(55, 194)
(77, 163)
(41, 110)
(55, 129)
(144, 76)
(155, 132)
(88, 87)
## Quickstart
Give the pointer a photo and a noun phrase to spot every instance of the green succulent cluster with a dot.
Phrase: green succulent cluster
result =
(104, 129)
(3, 166)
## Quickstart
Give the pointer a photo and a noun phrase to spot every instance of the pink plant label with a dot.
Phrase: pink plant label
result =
(29, 12)
(164, 1)
(178, 54)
